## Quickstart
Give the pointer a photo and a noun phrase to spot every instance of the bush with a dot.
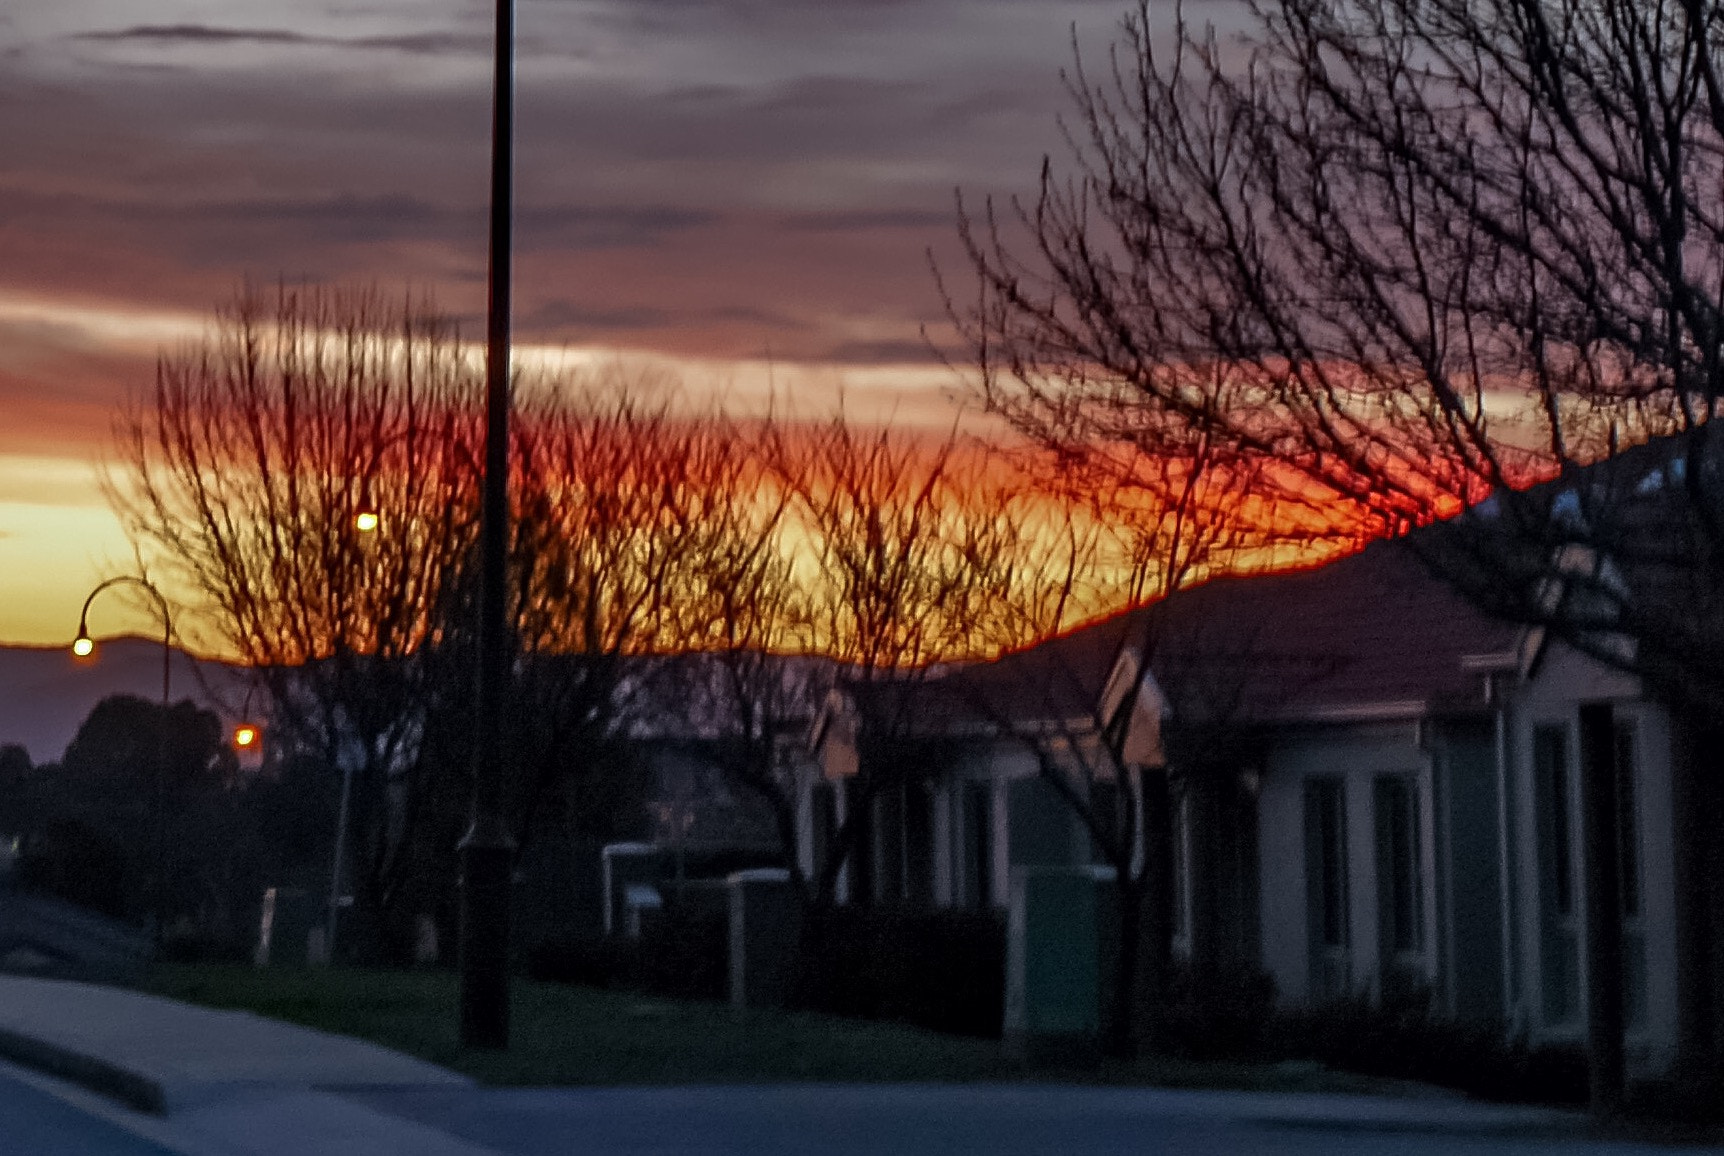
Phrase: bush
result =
(203, 947)
(74, 862)
(683, 952)
(1220, 1012)
(685, 947)
(942, 969)
(1402, 1038)
(610, 962)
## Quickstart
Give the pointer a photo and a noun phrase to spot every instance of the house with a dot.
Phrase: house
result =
(1372, 786)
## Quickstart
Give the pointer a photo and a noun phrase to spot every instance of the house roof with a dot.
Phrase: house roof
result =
(1371, 635)
(1375, 632)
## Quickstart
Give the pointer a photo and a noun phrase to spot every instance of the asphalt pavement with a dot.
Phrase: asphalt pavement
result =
(38, 1122)
(984, 1120)
(152, 1076)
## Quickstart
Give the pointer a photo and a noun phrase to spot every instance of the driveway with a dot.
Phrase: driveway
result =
(995, 1120)
(35, 1121)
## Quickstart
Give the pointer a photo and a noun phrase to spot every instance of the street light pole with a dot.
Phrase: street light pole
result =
(83, 646)
(487, 852)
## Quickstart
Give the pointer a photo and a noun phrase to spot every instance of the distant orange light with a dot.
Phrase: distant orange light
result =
(84, 646)
(245, 737)
(365, 521)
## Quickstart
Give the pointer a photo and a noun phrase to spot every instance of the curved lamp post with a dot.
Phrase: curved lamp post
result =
(84, 646)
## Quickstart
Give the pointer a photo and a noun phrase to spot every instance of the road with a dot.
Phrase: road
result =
(38, 1116)
(958, 1121)
(34, 1121)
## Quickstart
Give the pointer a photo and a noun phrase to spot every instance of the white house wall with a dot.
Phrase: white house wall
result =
(1356, 755)
(1015, 784)
(998, 765)
(1564, 680)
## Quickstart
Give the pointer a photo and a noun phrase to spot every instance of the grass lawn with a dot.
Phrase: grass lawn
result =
(570, 1035)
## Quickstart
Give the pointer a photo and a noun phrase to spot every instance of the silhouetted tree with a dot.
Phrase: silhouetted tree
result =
(1411, 256)
(140, 818)
(242, 477)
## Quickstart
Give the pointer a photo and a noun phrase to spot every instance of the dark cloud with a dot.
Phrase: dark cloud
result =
(763, 318)
(713, 178)
(867, 220)
(557, 315)
(889, 352)
(607, 226)
(197, 33)
(426, 42)
(351, 217)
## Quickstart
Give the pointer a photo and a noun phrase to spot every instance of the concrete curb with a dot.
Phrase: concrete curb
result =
(98, 1075)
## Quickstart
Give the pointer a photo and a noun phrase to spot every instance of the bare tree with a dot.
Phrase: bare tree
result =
(747, 682)
(1407, 256)
(242, 478)
(1117, 712)
(645, 535)
(1412, 256)
(911, 562)
(307, 473)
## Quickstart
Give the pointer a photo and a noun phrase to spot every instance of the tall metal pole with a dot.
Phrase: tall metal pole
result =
(487, 852)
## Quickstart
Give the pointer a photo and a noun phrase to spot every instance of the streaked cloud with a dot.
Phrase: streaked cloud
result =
(743, 193)
(429, 42)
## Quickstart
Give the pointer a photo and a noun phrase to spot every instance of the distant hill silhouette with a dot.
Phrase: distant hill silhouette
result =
(45, 692)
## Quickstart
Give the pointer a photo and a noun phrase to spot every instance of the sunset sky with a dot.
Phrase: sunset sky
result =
(736, 187)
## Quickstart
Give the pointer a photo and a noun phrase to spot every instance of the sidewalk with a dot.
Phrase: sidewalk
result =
(221, 1083)
(243, 1082)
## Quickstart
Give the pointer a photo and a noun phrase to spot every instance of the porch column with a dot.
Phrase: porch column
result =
(1696, 799)
(1601, 829)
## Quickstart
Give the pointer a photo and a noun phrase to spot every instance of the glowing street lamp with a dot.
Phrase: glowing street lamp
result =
(366, 521)
(245, 736)
(84, 646)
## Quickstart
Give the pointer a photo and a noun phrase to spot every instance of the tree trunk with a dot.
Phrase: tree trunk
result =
(1601, 830)
(1692, 794)
(1120, 1038)
(1157, 900)
(1205, 816)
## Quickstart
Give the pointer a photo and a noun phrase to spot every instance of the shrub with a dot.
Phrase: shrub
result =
(74, 862)
(685, 947)
(683, 952)
(1218, 1012)
(586, 961)
(942, 969)
(1402, 1038)
(203, 947)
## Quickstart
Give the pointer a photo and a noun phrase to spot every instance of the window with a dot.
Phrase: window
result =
(1182, 867)
(889, 846)
(1326, 885)
(824, 805)
(1553, 794)
(1627, 820)
(918, 880)
(1400, 902)
(978, 842)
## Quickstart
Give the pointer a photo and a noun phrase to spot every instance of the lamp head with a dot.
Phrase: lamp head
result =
(83, 646)
(366, 521)
(245, 736)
